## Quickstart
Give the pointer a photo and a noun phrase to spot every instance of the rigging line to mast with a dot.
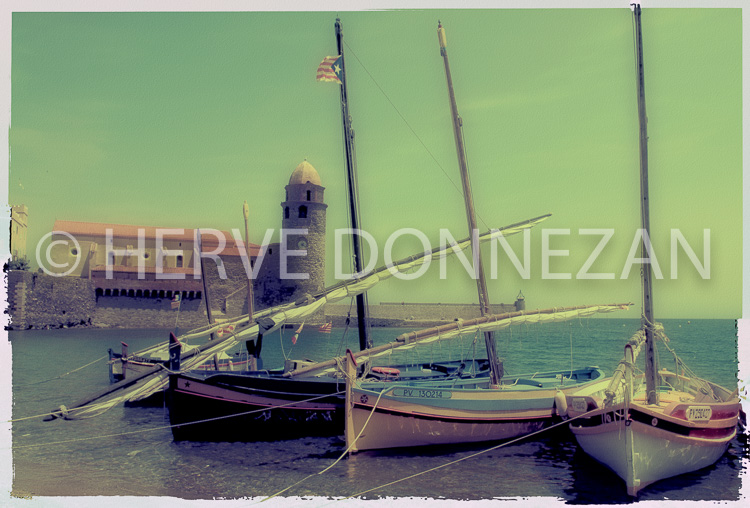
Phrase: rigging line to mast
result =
(281, 343)
(455, 186)
(571, 348)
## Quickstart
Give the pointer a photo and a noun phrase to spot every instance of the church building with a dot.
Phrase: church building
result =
(153, 262)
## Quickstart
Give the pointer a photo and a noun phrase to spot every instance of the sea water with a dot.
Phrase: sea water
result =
(129, 451)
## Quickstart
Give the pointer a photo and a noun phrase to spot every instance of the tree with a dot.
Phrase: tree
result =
(18, 264)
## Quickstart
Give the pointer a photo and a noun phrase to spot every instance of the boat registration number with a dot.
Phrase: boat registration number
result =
(580, 404)
(421, 393)
(698, 413)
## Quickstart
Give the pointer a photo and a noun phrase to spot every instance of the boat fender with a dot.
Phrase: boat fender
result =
(654, 422)
(390, 371)
(561, 404)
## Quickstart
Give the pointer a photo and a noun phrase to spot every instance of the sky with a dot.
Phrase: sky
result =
(174, 119)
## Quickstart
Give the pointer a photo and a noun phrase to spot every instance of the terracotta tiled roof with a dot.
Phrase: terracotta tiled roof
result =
(209, 240)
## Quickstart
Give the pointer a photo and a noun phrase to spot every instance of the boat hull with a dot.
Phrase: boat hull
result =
(641, 454)
(387, 429)
(253, 408)
(645, 443)
(262, 406)
(455, 413)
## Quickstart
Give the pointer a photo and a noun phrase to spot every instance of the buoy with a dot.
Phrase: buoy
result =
(390, 371)
(561, 404)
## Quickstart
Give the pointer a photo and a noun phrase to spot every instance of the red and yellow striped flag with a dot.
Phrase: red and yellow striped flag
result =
(330, 69)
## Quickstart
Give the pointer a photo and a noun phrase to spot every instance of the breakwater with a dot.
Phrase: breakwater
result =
(411, 314)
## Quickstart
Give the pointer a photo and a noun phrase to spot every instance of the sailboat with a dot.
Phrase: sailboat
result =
(661, 424)
(394, 415)
(272, 405)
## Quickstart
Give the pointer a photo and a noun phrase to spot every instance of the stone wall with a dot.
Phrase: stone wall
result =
(42, 301)
(129, 312)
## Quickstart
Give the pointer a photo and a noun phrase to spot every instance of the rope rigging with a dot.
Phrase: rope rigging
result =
(432, 156)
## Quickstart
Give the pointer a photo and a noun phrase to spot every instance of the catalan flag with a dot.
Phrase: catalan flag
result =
(330, 69)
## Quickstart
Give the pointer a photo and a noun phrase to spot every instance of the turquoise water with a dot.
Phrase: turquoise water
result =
(129, 450)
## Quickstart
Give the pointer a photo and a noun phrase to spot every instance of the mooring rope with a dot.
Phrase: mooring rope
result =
(492, 448)
(501, 445)
(348, 449)
(162, 427)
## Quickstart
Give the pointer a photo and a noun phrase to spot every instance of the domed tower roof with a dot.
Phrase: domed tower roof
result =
(305, 173)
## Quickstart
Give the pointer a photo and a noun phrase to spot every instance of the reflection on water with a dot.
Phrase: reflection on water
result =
(70, 462)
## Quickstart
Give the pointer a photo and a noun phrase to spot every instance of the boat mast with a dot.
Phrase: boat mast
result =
(648, 312)
(253, 347)
(351, 173)
(496, 369)
(209, 315)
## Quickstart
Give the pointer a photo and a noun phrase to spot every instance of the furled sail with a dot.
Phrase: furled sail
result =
(488, 323)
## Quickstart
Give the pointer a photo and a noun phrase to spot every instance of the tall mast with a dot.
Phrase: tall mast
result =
(648, 311)
(351, 173)
(496, 371)
(253, 347)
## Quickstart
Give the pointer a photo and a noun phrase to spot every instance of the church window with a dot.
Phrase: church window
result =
(303, 212)
(308, 195)
(286, 212)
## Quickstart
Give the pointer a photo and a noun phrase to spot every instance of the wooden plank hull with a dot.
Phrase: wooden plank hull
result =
(255, 409)
(405, 415)
(265, 406)
(645, 443)
(392, 430)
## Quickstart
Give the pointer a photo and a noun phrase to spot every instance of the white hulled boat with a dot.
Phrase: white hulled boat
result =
(659, 424)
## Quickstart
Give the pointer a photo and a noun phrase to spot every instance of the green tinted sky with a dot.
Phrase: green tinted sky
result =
(174, 119)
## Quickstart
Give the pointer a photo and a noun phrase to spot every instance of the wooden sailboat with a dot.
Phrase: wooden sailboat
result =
(662, 424)
(388, 415)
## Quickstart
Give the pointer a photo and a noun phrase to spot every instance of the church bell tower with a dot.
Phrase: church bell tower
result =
(304, 208)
